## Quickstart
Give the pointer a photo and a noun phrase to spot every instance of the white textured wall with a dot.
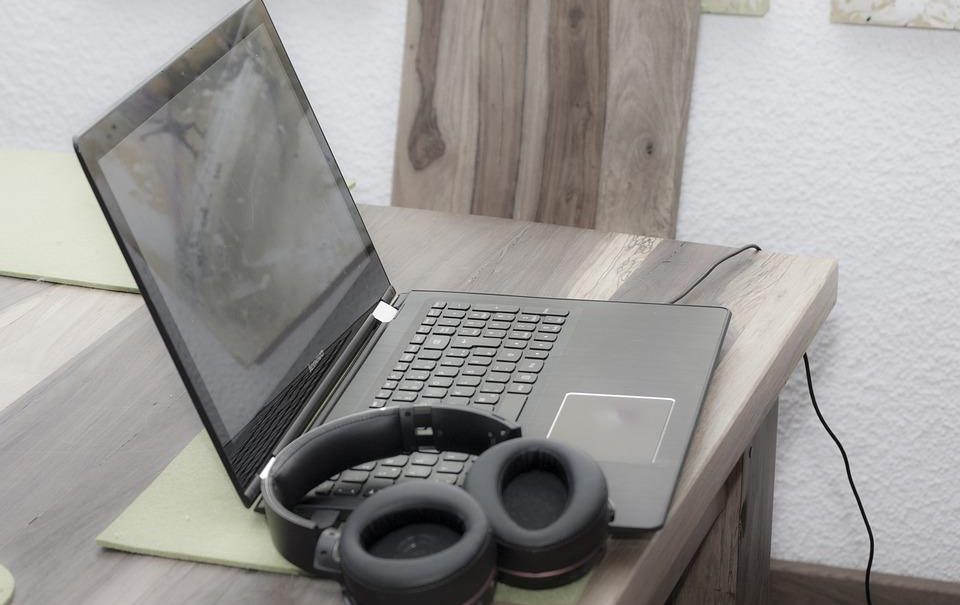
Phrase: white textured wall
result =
(805, 137)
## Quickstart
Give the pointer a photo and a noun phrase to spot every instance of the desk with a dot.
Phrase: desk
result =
(101, 420)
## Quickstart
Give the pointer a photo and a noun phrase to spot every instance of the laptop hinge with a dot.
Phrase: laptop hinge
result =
(384, 313)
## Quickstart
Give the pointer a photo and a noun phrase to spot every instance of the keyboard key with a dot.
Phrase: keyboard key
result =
(516, 335)
(401, 367)
(487, 398)
(449, 322)
(468, 381)
(530, 366)
(528, 318)
(444, 478)
(495, 334)
(411, 349)
(502, 317)
(461, 401)
(440, 382)
(434, 393)
(515, 344)
(547, 329)
(499, 325)
(423, 365)
(378, 403)
(448, 466)
(454, 314)
(352, 476)
(458, 306)
(558, 321)
(469, 332)
(439, 304)
(452, 361)
(462, 391)
(498, 377)
(484, 315)
(421, 472)
(430, 355)
(407, 357)
(423, 458)
(504, 367)
(545, 311)
(447, 371)
(482, 407)
(418, 339)
(525, 378)
(395, 376)
(322, 490)
(400, 460)
(484, 351)
(456, 456)
(346, 489)
(428, 321)
(492, 308)
(434, 313)
(526, 327)
(480, 361)
(508, 355)
(418, 375)
(532, 354)
(405, 396)
(520, 389)
(491, 387)
(437, 342)
(541, 346)
(546, 337)
(423, 329)
(390, 385)
(387, 472)
(466, 342)
(457, 352)
(375, 485)
(383, 394)
(445, 330)
(473, 323)
(475, 370)
(410, 385)
(511, 406)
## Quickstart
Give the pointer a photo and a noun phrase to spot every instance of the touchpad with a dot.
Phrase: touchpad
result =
(613, 428)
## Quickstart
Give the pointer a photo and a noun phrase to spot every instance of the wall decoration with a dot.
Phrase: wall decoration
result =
(756, 8)
(932, 14)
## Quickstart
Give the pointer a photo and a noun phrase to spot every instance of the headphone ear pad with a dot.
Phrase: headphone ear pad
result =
(415, 543)
(547, 504)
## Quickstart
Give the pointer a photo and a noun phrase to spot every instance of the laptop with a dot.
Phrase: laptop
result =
(245, 241)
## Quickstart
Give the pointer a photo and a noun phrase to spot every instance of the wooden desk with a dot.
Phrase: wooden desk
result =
(98, 411)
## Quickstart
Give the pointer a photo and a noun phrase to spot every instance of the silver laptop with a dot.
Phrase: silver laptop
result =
(248, 248)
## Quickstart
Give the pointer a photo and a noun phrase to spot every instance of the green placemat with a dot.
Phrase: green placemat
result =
(6, 585)
(191, 512)
(51, 227)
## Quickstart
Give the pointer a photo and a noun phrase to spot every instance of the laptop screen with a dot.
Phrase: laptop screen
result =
(238, 220)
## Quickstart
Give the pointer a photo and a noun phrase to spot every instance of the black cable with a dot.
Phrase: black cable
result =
(846, 463)
(710, 270)
(816, 408)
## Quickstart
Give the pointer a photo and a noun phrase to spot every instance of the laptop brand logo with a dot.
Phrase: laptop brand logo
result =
(313, 364)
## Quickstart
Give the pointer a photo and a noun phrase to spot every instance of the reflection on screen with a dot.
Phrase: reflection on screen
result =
(234, 208)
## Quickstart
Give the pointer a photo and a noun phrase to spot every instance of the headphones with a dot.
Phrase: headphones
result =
(532, 513)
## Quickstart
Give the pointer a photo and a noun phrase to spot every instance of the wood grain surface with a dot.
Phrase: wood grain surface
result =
(96, 428)
(570, 112)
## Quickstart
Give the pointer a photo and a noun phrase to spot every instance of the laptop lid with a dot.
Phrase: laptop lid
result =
(240, 231)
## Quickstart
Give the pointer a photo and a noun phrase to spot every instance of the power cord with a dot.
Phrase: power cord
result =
(816, 408)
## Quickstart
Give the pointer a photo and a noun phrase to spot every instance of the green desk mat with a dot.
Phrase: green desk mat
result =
(51, 227)
(6, 585)
(191, 512)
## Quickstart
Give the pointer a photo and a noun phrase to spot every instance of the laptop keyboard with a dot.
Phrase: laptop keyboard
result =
(484, 356)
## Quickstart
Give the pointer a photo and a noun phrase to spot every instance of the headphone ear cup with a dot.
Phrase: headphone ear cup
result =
(547, 504)
(418, 542)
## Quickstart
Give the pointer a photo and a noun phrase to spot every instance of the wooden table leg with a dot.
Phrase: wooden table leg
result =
(732, 565)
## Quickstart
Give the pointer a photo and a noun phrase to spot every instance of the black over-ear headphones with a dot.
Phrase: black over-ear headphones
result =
(532, 513)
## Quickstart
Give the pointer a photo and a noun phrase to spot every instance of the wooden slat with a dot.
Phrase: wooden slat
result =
(83, 443)
(570, 112)
(795, 583)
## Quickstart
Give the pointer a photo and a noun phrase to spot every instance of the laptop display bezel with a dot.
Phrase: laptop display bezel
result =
(127, 116)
